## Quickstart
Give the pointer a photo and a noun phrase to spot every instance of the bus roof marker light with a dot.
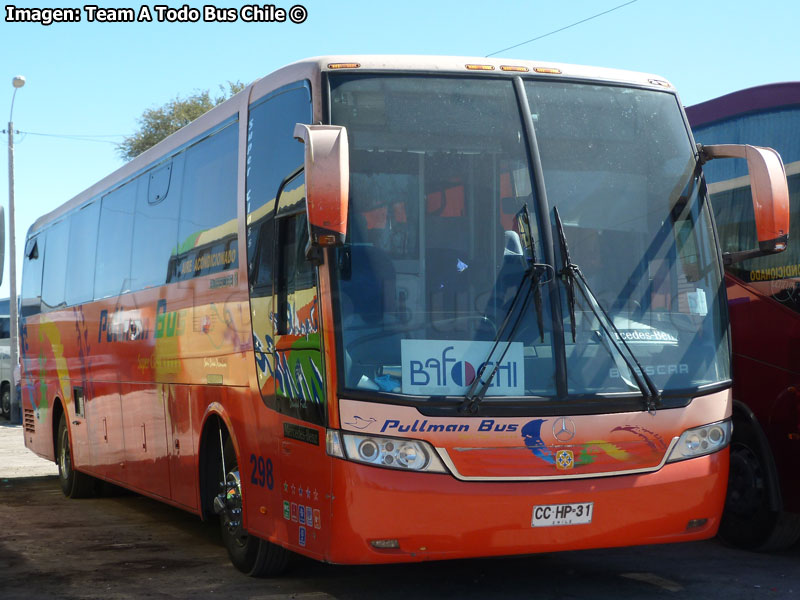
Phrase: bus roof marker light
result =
(344, 65)
(547, 70)
(660, 82)
(514, 68)
(471, 67)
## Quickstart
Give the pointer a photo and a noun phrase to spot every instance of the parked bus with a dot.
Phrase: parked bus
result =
(479, 311)
(6, 371)
(763, 505)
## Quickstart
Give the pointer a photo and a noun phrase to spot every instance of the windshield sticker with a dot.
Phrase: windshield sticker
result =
(697, 302)
(447, 368)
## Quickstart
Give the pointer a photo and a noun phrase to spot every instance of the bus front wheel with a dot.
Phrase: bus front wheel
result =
(251, 555)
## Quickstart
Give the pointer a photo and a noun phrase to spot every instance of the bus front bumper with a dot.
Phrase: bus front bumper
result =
(433, 516)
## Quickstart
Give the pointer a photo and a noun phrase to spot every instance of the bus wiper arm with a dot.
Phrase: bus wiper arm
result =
(477, 390)
(572, 276)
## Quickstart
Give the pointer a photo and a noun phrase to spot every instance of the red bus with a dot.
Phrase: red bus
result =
(763, 504)
(478, 312)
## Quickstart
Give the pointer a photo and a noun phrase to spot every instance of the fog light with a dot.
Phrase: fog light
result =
(696, 524)
(385, 544)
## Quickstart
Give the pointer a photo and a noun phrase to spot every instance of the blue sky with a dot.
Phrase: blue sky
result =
(96, 79)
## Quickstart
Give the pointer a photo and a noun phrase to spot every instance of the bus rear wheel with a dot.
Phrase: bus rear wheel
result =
(749, 521)
(74, 484)
(251, 555)
(5, 401)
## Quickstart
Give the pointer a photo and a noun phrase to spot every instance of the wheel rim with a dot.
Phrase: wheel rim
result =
(232, 514)
(746, 482)
(64, 461)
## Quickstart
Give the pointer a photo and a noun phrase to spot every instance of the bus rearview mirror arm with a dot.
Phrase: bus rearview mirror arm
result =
(770, 193)
(327, 172)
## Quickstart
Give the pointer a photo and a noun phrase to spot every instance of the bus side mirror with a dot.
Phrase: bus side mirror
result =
(327, 171)
(770, 196)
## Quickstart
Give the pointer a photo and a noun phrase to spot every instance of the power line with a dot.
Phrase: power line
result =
(78, 137)
(563, 28)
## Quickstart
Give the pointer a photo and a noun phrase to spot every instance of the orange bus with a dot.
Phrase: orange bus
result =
(478, 311)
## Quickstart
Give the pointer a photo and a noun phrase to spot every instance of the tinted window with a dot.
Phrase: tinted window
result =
(207, 231)
(5, 327)
(262, 273)
(209, 184)
(272, 152)
(82, 247)
(155, 233)
(295, 273)
(775, 275)
(55, 265)
(113, 266)
(31, 294)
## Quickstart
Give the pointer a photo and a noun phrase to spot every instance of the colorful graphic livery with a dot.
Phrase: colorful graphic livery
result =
(476, 284)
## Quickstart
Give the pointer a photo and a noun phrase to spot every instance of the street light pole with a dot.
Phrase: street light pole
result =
(15, 416)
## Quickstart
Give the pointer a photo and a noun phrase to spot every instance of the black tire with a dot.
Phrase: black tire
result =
(74, 484)
(749, 521)
(5, 401)
(251, 555)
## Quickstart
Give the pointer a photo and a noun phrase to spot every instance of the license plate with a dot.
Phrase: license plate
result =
(552, 515)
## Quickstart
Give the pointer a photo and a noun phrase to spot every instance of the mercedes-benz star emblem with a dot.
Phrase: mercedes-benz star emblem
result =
(563, 429)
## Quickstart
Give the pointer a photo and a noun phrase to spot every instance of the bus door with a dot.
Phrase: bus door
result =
(304, 479)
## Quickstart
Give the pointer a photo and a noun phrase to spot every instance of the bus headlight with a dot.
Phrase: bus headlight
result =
(394, 453)
(700, 441)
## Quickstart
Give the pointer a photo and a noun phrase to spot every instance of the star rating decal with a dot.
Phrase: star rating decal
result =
(300, 490)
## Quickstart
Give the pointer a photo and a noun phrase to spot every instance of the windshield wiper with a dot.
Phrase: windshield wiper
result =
(573, 277)
(533, 272)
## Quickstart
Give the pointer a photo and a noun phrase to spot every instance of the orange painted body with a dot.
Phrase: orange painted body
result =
(436, 517)
(145, 435)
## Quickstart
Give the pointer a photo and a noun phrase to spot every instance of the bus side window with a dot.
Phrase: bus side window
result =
(54, 277)
(261, 270)
(112, 274)
(82, 248)
(31, 296)
(208, 197)
(776, 275)
(155, 232)
(295, 277)
(272, 151)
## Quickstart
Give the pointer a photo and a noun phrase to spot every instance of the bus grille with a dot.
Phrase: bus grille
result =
(29, 421)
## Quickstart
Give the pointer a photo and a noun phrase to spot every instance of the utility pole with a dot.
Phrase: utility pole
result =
(15, 416)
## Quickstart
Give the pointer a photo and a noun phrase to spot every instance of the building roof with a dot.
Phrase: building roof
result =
(755, 99)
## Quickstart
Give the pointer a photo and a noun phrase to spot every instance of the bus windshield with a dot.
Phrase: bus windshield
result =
(441, 168)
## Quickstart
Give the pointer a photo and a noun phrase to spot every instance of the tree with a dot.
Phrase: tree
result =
(157, 123)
